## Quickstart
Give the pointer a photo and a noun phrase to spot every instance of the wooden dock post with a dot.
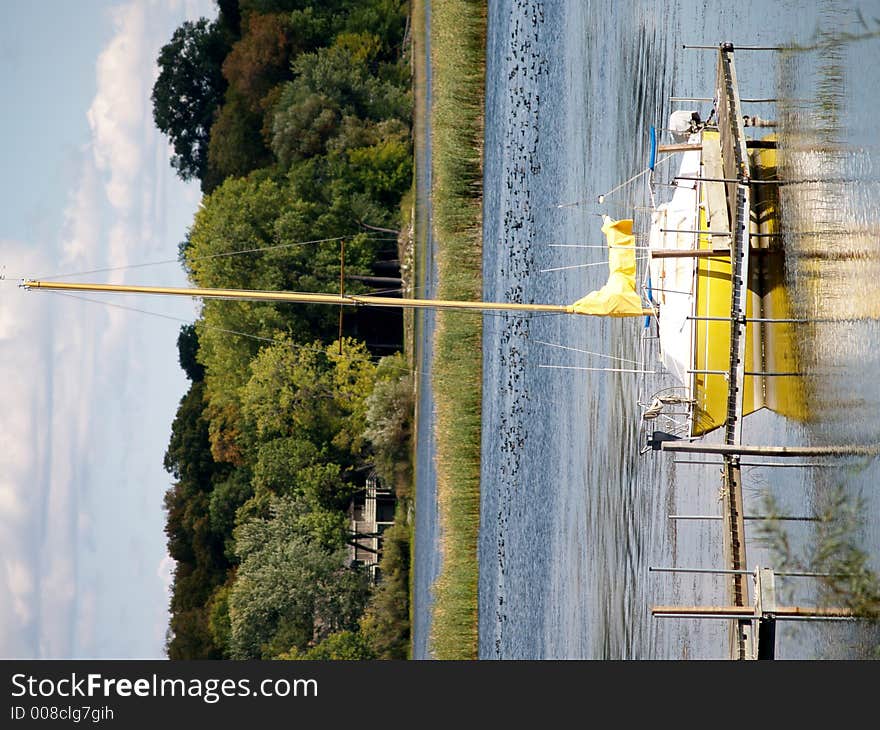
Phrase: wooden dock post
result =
(758, 620)
(784, 451)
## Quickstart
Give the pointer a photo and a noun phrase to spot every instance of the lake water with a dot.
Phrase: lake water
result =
(572, 516)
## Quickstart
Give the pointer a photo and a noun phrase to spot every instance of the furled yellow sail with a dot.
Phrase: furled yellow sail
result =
(618, 298)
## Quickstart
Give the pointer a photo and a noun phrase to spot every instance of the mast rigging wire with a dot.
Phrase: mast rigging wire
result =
(204, 258)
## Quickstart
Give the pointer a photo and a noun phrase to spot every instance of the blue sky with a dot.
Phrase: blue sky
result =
(89, 390)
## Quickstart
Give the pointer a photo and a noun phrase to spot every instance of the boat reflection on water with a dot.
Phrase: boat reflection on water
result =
(831, 241)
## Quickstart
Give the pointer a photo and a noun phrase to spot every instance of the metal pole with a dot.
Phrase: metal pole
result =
(733, 616)
(753, 373)
(744, 181)
(341, 288)
(357, 300)
(735, 48)
(689, 253)
(811, 465)
(772, 374)
(754, 464)
(685, 230)
(787, 451)
(715, 571)
(746, 616)
(812, 575)
(679, 147)
(814, 618)
(722, 571)
(762, 320)
(602, 370)
(784, 518)
(669, 291)
(707, 179)
(706, 98)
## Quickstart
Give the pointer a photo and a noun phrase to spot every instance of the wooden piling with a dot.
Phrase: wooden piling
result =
(782, 451)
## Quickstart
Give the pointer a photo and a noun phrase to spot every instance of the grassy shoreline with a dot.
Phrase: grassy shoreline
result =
(458, 41)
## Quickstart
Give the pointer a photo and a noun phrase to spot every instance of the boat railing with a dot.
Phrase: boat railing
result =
(667, 410)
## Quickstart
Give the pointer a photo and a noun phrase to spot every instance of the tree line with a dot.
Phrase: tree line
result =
(295, 116)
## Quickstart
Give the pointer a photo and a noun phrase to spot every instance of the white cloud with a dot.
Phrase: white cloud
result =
(23, 372)
(9, 325)
(117, 113)
(165, 573)
(11, 505)
(81, 236)
(74, 374)
(20, 584)
(86, 623)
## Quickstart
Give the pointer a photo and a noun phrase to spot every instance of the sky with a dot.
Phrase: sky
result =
(88, 389)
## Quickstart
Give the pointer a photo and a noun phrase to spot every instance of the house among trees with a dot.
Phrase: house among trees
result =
(370, 513)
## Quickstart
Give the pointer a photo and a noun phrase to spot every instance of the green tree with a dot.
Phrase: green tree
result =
(292, 587)
(341, 646)
(189, 636)
(261, 59)
(239, 215)
(369, 181)
(227, 496)
(835, 551)
(187, 351)
(386, 19)
(269, 222)
(188, 456)
(389, 418)
(269, 443)
(331, 84)
(193, 542)
(188, 91)
(385, 623)
(346, 74)
(236, 144)
(279, 460)
(254, 69)
(219, 624)
(358, 181)
(229, 17)
(315, 394)
(302, 127)
(296, 465)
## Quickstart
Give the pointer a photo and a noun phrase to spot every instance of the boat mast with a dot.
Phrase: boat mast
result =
(352, 300)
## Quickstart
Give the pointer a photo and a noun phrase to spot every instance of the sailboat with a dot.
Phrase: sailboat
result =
(715, 274)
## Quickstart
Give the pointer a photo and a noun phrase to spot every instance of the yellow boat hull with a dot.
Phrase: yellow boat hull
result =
(771, 348)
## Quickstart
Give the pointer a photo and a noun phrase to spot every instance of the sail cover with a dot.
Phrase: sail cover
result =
(618, 298)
